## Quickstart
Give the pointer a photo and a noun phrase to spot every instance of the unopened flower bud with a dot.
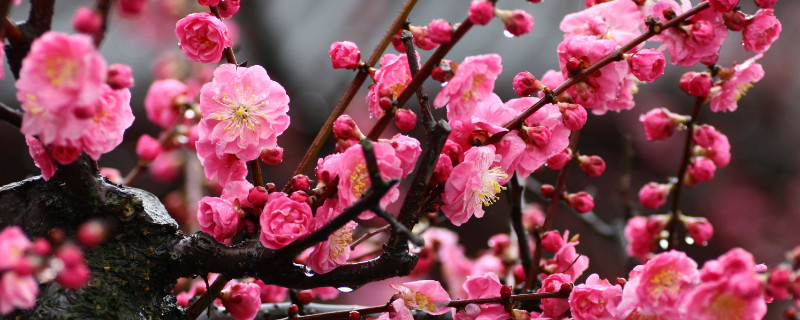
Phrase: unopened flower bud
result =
(23, 267)
(86, 20)
(405, 119)
(300, 182)
(525, 84)
(765, 4)
(575, 65)
(700, 230)
(647, 64)
(566, 287)
(581, 202)
(293, 310)
(444, 165)
(440, 31)
(696, 84)
(91, 233)
(344, 128)
(654, 195)
(734, 20)
(422, 39)
(385, 103)
(397, 42)
(305, 296)
(444, 71)
(481, 12)
(354, 315)
(593, 166)
(660, 123)
(299, 196)
(453, 150)
(41, 247)
(700, 170)
(119, 76)
(257, 196)
(538, 136)
(552, 241)
(559, 160)
(505, 292)
(517, 22)
(574, 115)
(147, 148)
(547, 190)
(621, 282)
(272, 156)
(345, 55)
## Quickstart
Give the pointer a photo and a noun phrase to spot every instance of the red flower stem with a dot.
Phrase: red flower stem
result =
(672, 226)
(355, 85)
(615, 55)
(453, 303)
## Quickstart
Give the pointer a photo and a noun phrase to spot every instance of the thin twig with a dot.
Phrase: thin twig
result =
(102, 8)
(10, 115)
(369, 235)
(672, 226)
(515, 202)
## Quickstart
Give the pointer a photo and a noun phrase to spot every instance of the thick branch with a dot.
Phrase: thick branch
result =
(515, 203)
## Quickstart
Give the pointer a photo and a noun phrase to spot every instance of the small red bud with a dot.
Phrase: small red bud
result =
(56, 236)
(299, 196)
(566, 287)
(270, 187)
(301, 182)
(354, 315)
(305, 296)
(547, 190)
(405, 119)
(41, 246)
(272, 156)
(91, 233)
(345, 128)
(505, 292)
(293, 310)
(581, 202)
(257, 196)
(23, 267)
(593, 166)
(385, 103)
(621, 282)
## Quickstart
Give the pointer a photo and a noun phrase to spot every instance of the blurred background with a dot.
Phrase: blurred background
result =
(753, 203)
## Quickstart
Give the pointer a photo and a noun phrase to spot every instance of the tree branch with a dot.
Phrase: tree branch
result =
(672, 226)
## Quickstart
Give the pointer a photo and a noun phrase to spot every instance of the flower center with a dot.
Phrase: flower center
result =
(359, 180)
(243, 111)
(666, 279)
(341, 239)
(59, 70)
(727, 307)
(472, 93)
(490, 186)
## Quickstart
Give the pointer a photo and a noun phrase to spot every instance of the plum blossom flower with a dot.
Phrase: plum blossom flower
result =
(331, 253)
(550, 136)
(242, 300)
(481, 12)
(13, 244)
(344, 55)
(614, 20)
(163, 101)
(283, 220)
(660, 123)
(354, 178)
(554, 307)
(440, 31)
(426, 295)
(390, 80)
(397, 311)
(473, 183)
(407, 150)
(654, 195)
(226, 167)
(112, 116)
(595, 300)
(202, 37)
(725, 96)
(697, 41)
(472, 83)
(641, 232)
(217, 217)
(517, 22)
(761, 31)
(657, 287)
(271, 293)
(483, 286)
(712, 144)
(17, 291)
(609, 89)
(647, 64)
(244, 111)
(63, 71)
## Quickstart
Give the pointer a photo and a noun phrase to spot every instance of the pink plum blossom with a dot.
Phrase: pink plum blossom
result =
(617, 20)
(113, 115)
(483, 286)
(421, 38)
(568, 261)
(242, 300)
(660, 123)
(218, 218)
(714, 145)
(225, 168)
(647, 64)
(397, 311)
(654, 195)
(86, 20)
(725, 96)
(163, 101)
(595, 300)
(548, 121)
(761, 31)
(641, 234)
(244, 111)
(344, 55)
(765, 4)
(525, 84)
(147, 148)
(481, 12)
(329, 254)
(609, 89)
(75, 273)
(723, 5)
(17, 292)
(699, 229)
(554, 307)
(13, 244)
(405, 120)
(390, 80)
(63, 71)
(119, 76)
(697, 84)
(229, 8)
(440, 31)
(202, 37)
(283, 220)
(41, 159)
(698, 41)
(271, 293)
(473, 183)
(657, 287)
(354, 178)
(426, 295)
(472, 83)
(407, 150)
(517, 22)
